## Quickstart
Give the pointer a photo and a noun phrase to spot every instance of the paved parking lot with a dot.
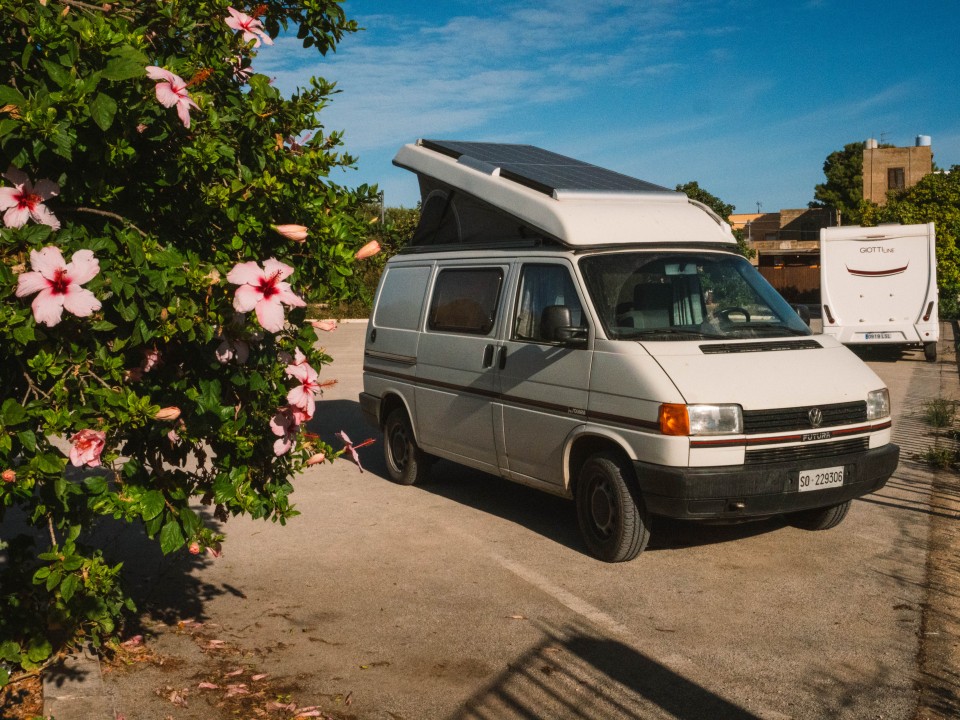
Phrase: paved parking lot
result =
(470, 597)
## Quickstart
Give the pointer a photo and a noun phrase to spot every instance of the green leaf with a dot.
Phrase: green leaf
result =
(11, 96)
(95, 484)
(68, 587)
(103, 108)
(152, 504)
(39, 650)
(50, 464)
(11, 413)
(28, 439)
(9, 651)
(126, 62)
(57, 73)
(53, 579)
(24, 334)
(171, 537)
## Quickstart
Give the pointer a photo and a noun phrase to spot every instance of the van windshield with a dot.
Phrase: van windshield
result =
(668, 296)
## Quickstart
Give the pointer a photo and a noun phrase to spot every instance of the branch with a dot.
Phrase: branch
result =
(112, 216)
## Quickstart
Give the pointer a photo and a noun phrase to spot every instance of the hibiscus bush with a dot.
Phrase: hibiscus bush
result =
(166, 217)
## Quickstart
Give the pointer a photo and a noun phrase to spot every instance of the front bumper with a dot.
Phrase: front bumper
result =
(749, 491)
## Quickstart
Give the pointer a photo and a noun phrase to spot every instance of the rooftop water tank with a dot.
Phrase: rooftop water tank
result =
(923, 141)
(871, 144)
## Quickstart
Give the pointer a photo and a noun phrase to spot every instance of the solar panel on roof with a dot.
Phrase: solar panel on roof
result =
(543, 170)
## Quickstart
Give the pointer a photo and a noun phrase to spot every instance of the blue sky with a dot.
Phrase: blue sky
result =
(746, 97)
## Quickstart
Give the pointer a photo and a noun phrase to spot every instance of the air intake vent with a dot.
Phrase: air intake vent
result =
(802, 453)
(766, 346)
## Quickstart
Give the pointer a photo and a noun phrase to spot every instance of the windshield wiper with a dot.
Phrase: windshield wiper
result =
(647, 332)
(769, 326)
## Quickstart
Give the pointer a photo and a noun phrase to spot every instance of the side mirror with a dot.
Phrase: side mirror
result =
(555, 326)
(571, 336)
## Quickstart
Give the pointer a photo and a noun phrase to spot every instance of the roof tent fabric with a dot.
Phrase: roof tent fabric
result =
(452, 217)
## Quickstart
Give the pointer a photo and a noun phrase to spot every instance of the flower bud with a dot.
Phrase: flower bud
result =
(297, 233)
(167, 413)
(194, 548)
(9, 476)
(368, 250)
(325, 325)
(316, 459)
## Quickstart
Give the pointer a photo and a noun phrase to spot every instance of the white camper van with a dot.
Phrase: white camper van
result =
(878, 285)
(598, 337)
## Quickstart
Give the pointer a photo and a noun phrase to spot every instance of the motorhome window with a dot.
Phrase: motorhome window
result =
(547, 300)
(658, 296)
(465, 300)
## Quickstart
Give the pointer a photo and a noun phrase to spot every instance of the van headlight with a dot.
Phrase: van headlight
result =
(678, 419)
(878, 404)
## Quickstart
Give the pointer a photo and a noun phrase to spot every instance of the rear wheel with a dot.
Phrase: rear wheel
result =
(930, 351)
(613, 521)
(406, 462)
(820, 518)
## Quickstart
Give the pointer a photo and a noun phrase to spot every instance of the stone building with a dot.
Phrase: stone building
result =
(894, 168)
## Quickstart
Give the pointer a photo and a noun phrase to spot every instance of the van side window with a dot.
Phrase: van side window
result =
(547, 301)
(401, 298)
(465, 300)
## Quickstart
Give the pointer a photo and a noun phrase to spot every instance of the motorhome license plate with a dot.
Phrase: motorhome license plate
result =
(821, 479)
(878, 336)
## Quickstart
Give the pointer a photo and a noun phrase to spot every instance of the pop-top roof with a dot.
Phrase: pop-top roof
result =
(542, 170)
(485, 193)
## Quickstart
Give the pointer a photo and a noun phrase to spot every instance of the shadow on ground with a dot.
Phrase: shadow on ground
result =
(577, 673)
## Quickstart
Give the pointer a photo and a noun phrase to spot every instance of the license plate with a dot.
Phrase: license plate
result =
(878, 336)
(821, 479)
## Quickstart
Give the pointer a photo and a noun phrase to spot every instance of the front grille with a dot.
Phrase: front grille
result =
(802, 453)
(796, 418)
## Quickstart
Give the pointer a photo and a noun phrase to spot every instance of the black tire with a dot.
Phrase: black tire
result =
(820, 518)
(930, 351)
(613, 520)
(407, 464)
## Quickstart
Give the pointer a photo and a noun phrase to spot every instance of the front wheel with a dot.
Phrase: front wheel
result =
(614, 523)
(406, 462)
(820, 518)
(930, 351)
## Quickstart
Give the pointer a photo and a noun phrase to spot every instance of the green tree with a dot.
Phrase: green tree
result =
(693, 191)
(161, 237)
(936, 199)
(843, 189)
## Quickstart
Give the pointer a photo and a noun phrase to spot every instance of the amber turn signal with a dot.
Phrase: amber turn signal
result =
(674, 419)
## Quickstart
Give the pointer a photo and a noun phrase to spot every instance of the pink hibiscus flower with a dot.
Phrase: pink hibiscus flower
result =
(58, 284)
(349, 447)
(264, 290)
(303, 396)
(87, 446)
(231, 348)
(286, 424)
(251, 28)
(24, 200)
(172, 90)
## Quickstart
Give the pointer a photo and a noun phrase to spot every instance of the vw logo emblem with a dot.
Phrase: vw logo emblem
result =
(815, 417)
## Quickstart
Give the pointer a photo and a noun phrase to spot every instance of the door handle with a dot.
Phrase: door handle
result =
(503, 357)
(488, 356)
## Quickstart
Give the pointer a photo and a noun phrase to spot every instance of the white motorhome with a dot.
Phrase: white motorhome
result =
(878, 285)
(598, 337)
